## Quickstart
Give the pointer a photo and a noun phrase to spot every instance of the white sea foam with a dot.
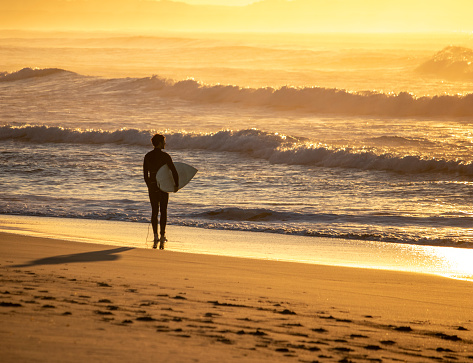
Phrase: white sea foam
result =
(278, 149)
(45, 134)
(315, 100)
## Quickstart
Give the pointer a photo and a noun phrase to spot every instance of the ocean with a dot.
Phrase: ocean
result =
(361, 137)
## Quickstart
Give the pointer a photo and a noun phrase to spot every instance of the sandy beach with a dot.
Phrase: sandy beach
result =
(331, 215)
(63, 301)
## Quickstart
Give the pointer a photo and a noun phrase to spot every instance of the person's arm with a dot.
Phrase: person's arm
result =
(145, 172)
(175, 175)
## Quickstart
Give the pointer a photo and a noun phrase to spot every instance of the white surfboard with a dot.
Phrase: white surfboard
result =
(166, 181)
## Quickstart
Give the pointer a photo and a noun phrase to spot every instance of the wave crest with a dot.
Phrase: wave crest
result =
(276, 148)
(55, 134)
(319, 225)
(26, 73)
(452, 62)
(316, 100)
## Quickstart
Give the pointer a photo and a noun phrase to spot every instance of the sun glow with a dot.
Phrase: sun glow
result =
(240, 15)
(455, 259)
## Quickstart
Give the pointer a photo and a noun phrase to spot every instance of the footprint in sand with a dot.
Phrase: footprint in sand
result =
(342, 349)
(286, 312)
(179, 297)
(453, 338)
(100, 312)
(107, 301)
(103, 284)
(353, 336)
(291, 325)
(9, 304)
(442, 350)
(145, 318)
(211, 315)
(224, 340)
(45, 297)
(373, 347)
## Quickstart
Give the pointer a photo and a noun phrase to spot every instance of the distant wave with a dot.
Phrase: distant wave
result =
(54, 134)
(317, 100)
(452, 62)
(26, 73)
(278, 149)
(400, 141)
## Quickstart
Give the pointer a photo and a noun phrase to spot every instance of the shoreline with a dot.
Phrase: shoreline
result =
(452, 262)
(72, 301)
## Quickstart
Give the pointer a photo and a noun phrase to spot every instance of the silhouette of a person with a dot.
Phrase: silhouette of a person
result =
(153, 161)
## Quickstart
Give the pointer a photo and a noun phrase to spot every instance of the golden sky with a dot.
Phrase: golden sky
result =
(265, 15)
(220, 2)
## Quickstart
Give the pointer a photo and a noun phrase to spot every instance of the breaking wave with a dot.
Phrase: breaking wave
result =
(452, 62)
(269, 215)
(316, 100)
(321, 225)
(355, 227)
(273, 147)
(55, 134)
(26, 73)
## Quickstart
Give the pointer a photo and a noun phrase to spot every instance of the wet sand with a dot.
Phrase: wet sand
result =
(70, 301)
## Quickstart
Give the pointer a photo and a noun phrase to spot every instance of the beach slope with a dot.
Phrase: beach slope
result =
(63, 301)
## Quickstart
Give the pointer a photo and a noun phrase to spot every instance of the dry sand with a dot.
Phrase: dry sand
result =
(63, 301)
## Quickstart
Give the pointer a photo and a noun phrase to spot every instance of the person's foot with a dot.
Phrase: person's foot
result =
(162, 241)
(155, 243)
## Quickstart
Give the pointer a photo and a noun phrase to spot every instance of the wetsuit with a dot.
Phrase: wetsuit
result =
(153, 161)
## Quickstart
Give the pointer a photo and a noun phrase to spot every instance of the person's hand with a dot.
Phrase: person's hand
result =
(176, 188)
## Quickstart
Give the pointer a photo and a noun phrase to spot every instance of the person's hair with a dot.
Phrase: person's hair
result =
(157, 139)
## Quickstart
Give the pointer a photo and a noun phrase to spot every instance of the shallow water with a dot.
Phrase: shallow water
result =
(444, 261)
(362, 143)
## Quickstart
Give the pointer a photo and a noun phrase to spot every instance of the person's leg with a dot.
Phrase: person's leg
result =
(154, 200)
(163, 204)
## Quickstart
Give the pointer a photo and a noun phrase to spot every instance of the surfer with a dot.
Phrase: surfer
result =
(153, 161)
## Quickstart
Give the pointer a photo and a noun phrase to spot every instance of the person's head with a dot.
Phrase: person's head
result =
(158, 141)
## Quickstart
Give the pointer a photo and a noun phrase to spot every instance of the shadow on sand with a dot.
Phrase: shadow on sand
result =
(95, 256)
